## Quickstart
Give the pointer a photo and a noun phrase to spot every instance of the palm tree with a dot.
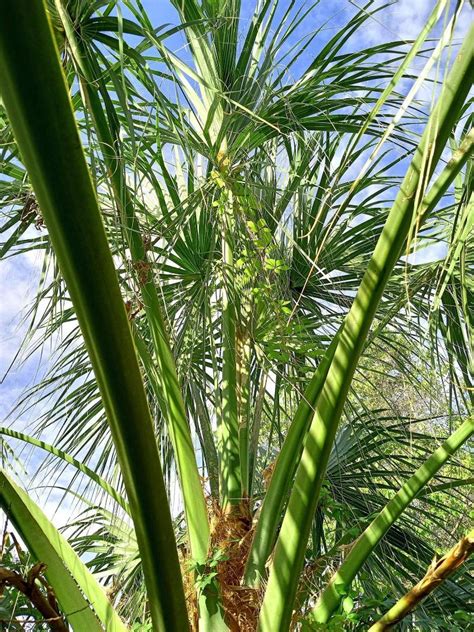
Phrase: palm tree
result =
(256, 229)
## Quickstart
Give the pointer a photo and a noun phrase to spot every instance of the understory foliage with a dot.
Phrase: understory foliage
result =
(292, 237)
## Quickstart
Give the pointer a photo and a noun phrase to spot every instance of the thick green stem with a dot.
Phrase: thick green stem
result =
(446, 177)
(370, 538)
(243, 394)
(290, 549)
(229, 450)
(256, 426)
(40, 111)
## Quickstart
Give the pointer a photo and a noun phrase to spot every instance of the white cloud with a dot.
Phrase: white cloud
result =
(19, 278)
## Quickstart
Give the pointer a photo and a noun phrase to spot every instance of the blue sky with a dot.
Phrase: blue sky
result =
(19, 276)
(400, 20)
